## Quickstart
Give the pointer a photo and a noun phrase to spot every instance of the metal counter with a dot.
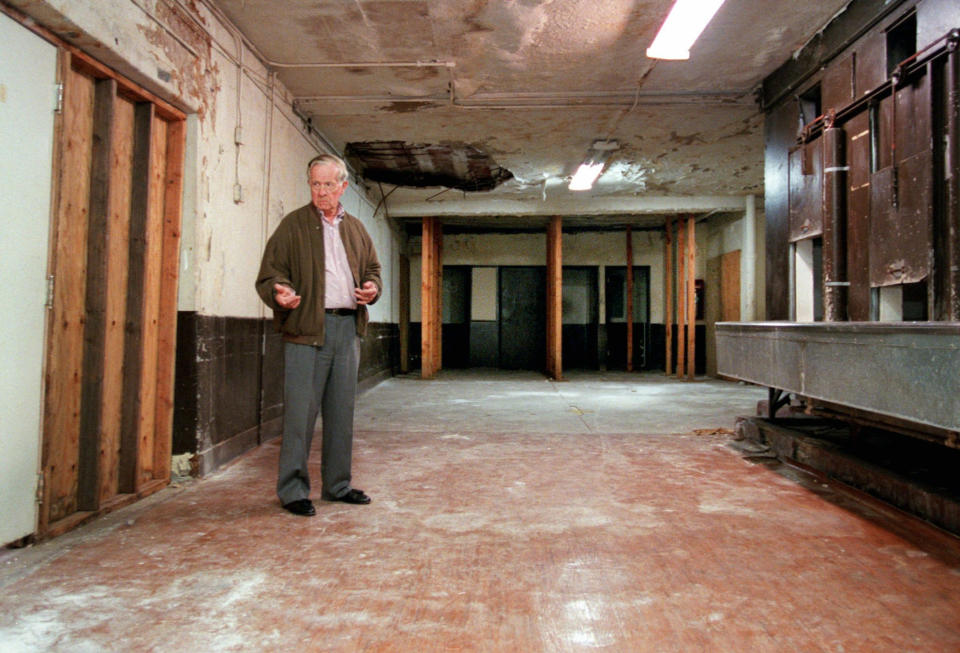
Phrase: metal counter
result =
(904, 370)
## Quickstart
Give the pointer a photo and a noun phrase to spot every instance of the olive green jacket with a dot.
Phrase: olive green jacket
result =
(294, 257)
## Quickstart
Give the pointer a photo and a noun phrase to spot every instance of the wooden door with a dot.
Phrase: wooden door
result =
(110, 355)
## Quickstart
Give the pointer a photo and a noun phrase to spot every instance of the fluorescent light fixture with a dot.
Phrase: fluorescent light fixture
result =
(592, 166)
(585, 175)
(683, 26)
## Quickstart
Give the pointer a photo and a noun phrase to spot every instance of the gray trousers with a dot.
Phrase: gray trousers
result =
(319, 380)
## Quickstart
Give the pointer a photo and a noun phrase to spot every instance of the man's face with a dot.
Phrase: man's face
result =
(325, 188)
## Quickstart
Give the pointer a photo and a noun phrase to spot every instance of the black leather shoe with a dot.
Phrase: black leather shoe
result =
(353, 495)
(301, 507)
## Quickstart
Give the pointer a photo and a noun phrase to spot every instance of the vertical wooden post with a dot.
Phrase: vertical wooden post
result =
(668, 293)
(429, 311)
(136, 279)
(404, 300)
(691, 296)
(629, 299)
(555, 298)
(681, 301)
(64, 372)
(167, 319)
(94, 328)
(118, 254)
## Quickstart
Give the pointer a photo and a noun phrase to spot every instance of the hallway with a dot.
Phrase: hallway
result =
(510, 513)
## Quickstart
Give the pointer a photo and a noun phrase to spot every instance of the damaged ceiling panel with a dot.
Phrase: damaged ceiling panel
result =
(450, 165)
(456, 93)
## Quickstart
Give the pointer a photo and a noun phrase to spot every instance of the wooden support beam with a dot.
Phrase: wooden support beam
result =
(430, 310)
(691, 266)
(668, 293)
(427, 343)
(64, 369)
(136, 275)
(555, 298)
(404, 301)
(117, 260)
(152, 272)
(629, 299)
(167, 311)
(94, 326)
(681, 301)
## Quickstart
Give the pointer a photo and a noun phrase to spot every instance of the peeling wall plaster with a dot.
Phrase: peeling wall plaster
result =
(181, 52)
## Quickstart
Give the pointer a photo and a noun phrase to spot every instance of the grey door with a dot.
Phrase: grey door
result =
(523, 315)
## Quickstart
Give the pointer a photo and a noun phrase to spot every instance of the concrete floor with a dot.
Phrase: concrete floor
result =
(509, 513)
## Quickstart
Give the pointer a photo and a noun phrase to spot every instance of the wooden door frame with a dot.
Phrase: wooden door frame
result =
(162, 159)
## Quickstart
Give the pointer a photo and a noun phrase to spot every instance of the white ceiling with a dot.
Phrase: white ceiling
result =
(534, 83)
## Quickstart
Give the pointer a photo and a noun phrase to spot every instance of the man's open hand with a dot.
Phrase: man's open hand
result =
(366, 294)
(286, 296)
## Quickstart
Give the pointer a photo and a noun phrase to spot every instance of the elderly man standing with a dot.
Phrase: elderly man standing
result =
(318, 274)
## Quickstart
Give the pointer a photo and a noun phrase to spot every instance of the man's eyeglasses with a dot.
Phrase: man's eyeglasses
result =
(326, 185)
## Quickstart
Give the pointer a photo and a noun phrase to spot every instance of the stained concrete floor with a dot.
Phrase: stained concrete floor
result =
(607, 512)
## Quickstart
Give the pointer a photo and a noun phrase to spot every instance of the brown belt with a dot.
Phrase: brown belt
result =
(341, 311)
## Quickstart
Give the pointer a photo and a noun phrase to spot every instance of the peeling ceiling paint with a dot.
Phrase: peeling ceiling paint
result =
(533, 83)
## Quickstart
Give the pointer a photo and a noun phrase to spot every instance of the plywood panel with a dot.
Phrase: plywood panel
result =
(65, 358)
(730, 287)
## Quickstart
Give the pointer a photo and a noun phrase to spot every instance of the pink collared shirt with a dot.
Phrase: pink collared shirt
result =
(338, 280)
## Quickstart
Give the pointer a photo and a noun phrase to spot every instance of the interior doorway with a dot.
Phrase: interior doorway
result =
(615, 286)
(456, 316)
(523, 318)
(580, 317)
